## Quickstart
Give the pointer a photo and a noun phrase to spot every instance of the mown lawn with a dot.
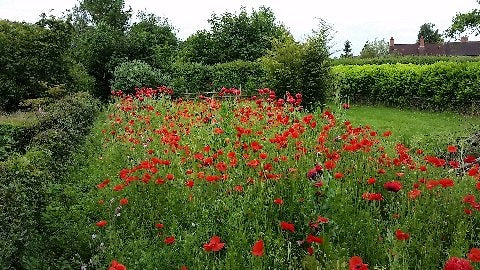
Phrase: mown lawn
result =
(427, 130)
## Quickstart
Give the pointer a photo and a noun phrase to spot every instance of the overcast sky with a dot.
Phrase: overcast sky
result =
(357, 21)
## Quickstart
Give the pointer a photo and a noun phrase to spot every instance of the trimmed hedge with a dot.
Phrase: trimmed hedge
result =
(440, 86)
(14, 138)
(25, 180)
(395, 59)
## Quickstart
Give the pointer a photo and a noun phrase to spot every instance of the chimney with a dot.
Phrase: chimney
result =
(392, 42)
(422, 41)
(464, 39)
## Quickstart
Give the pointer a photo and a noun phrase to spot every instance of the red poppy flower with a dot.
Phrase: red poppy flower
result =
(212, 178)
(393, 186)
(103, 184)
(258, 248)
(159, 225)
(456, 263)
(253, 163)
(371, 180)
(372, 196)
(318, 184)
(474, 255)
(238, 188)
(387, 133)
(470, 159)
(330, 165)
(321, 219)
(473, 171)
(169, 240)
(159, 181)
(346, 106)
(278, 201)
(402, 236)
(263, 155)
(287, 226)
(215, 244)
(118, 187)
(314, 239)
(452, 149)
(114, 265)
(101, 223)
(338, 175)
(356, 263)
(189, 183)
(170, 176)
(124, 201)
(413, 194)
(446, 182)
(310, 251)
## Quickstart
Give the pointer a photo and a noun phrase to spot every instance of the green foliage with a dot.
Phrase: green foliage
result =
(283, 65)
(136, 73)
(107, 12)
(31, 57)
(376, 48)
(429, 34)
(465, 22)
(25, 178)
(394, 59)
(299, 68)
(14, 138)
(233, 37)
(244, 75)
(439, 86)
(191, 78)
(347, 50)
(152, 39)
(100, 49)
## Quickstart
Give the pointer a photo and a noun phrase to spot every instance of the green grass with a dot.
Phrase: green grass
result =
(428, 130)
(19, 118)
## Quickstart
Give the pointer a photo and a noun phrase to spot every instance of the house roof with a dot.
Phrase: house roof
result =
(469, 48)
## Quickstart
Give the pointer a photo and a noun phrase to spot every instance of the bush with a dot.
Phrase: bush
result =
(132, 74)
(31, 56)
(440, 86)
(191, 78)
(304, 68)
(244, 75)
(25, 179)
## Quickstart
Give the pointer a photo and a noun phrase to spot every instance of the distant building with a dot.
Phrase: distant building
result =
(462, 48)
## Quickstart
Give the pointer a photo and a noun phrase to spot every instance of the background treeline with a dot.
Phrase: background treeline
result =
(439, 86)
(99, 46)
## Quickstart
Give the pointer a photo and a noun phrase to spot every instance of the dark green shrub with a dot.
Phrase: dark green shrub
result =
(191, 78)
(132, 74)
(31, 56)
(25, 181)
(300, 68)
(247, 76)
(440, 86)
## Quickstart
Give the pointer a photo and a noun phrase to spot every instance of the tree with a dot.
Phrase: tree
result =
(376, 48)
(232, 37)
(465, 22)
(347, 50)
(152, 39)
(429, 34)
(107, 12)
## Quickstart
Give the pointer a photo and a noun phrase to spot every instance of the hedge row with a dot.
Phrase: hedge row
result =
(418, 60)
(440, 86)
(14, 138)
(25, 180)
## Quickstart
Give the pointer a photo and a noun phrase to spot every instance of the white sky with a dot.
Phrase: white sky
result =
(355, 20)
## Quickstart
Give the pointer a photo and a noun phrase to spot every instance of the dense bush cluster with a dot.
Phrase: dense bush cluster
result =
(439, 86)
(25, 180)
(14, 138)
(31, 59)
(394, 59)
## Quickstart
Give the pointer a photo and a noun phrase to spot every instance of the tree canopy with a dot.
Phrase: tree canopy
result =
(429, 33)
